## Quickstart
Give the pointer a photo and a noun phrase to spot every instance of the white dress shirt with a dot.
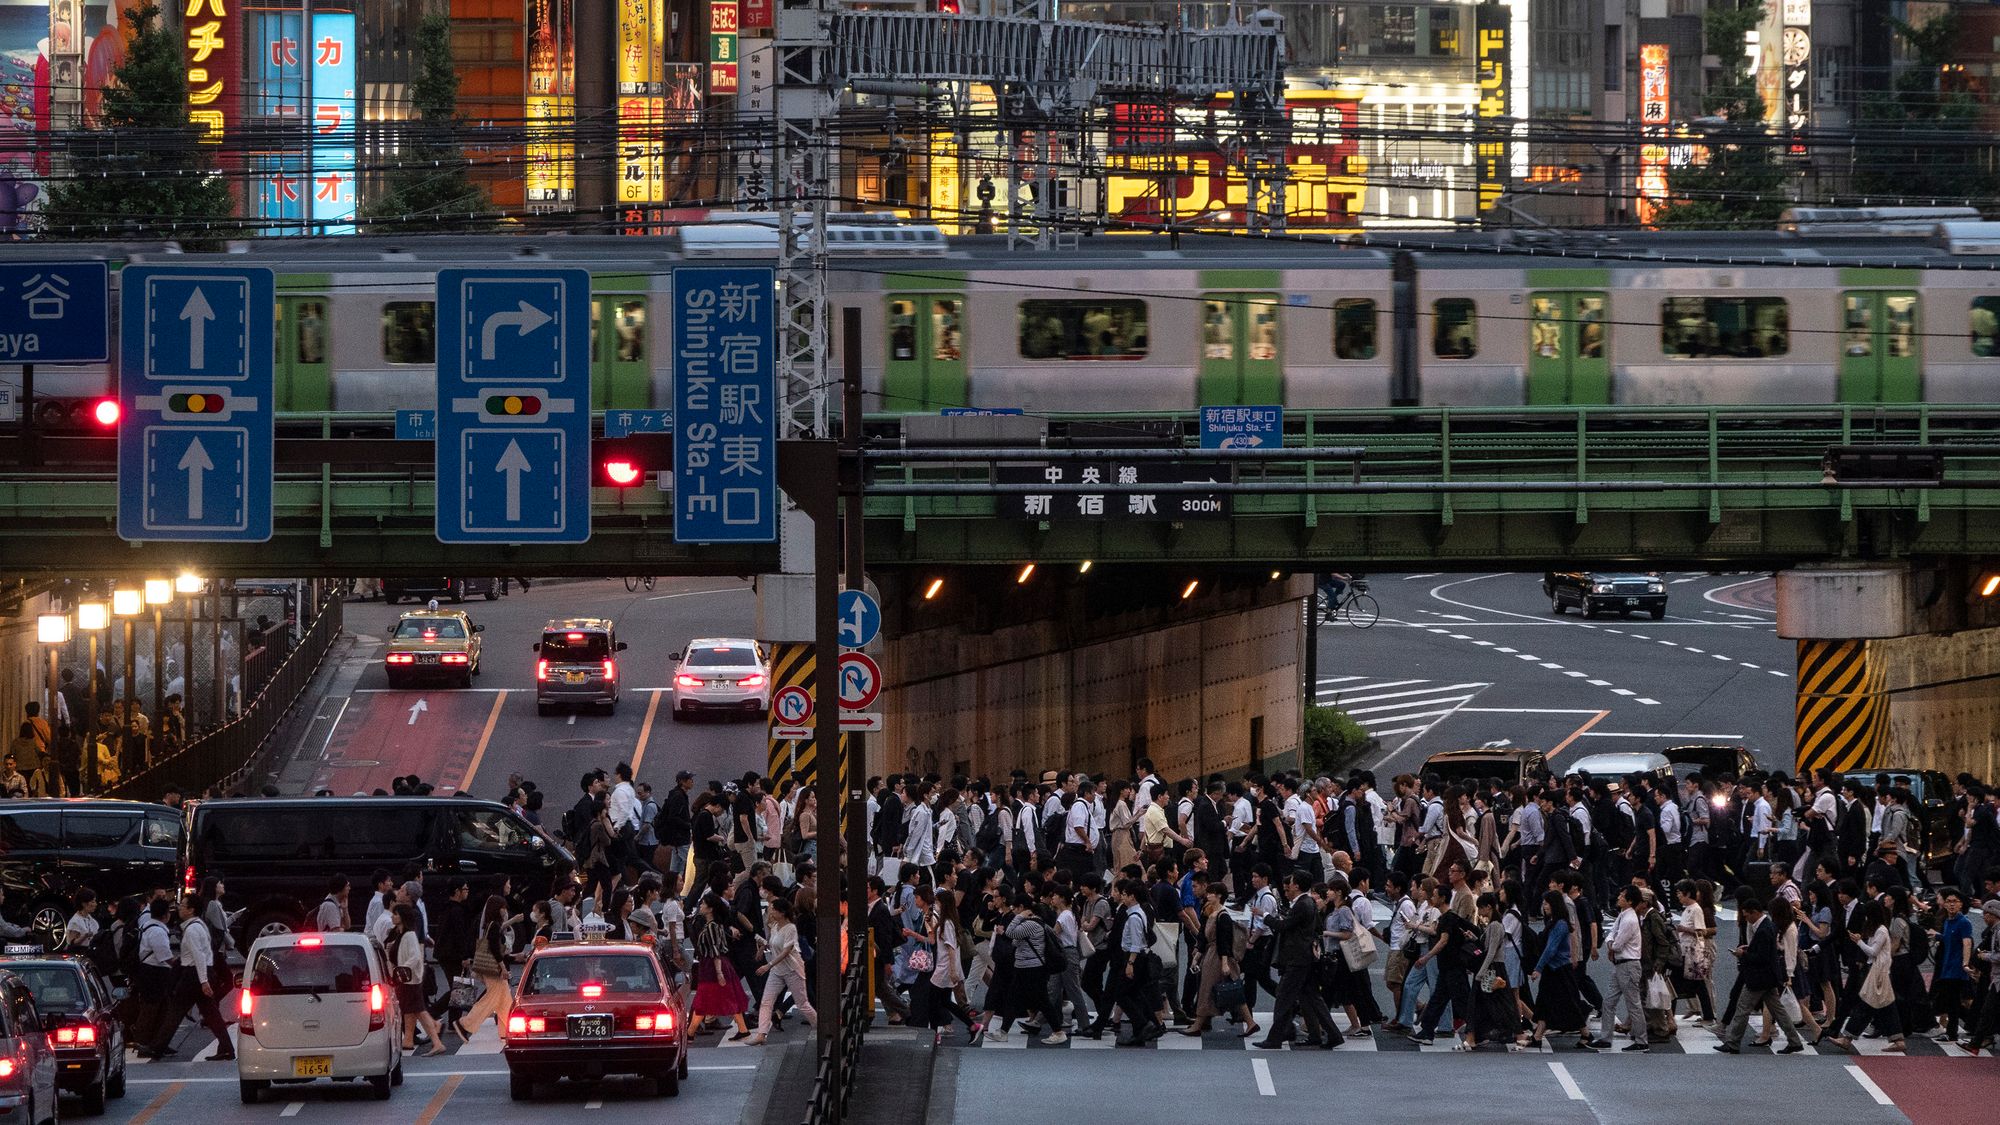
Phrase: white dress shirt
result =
(1623, 944)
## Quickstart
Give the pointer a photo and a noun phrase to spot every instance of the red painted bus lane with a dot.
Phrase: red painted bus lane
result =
(383, 735)
(1935, 1091)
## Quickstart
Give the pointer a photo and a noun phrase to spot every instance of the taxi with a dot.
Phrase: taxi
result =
(588, 1008)
(28, 1089)
(78, 1018)
(435, 644)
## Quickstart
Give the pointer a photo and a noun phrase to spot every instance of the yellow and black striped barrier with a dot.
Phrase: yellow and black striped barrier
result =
(1843, 713)
(792, 665)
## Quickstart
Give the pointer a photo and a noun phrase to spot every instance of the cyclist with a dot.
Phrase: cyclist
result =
(1334, 586)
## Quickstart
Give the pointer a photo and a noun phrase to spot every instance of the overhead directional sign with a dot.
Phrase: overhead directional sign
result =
(860, 680)
(513, 420)
(55, 312)
(860, 619)
(194, 381)
(625, 423)
(416, 425)
(1242, 427)
(725, 405)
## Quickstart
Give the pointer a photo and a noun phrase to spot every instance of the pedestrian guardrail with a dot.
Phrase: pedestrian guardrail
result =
(222, 753)
(833, 1078)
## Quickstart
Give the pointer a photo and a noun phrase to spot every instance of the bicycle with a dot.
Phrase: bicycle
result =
(1356, 603)
(632, 585)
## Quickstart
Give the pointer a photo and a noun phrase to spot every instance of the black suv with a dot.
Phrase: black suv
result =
(51, 848)
(1594, 592)
(276, 856)
(1931, 790)
(446, 589)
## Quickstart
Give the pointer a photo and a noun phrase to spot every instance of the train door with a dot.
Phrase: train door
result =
(1241, 363)
(301, 371)
(620, 376)
(1569, 353)
(1880, 360)
(925, 371)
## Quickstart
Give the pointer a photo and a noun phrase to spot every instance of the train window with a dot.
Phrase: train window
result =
(1899, 330)
(312, 331)
(1354, 328)
(409, 332)
(1545, 335)
(1712, 327)
(1071, 329)
(1455, 328)
(1218, 329)
(1858, 327)
(947, 329)
(902, 329)
(1986, 326)
(628, 331)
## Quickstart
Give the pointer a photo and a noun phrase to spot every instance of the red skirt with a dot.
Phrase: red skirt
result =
(718, 990)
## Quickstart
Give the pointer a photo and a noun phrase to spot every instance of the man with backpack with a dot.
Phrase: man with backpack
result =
(1297, 932)
(1131, 985)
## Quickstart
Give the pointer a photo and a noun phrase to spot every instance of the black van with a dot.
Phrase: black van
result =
(51, 848)
(275, 856)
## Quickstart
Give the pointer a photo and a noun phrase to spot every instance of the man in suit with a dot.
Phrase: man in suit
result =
(1851, 830)
(1297, 932)
(1559, 851)
(888, 826)
(1211, 825)
(1763, 973)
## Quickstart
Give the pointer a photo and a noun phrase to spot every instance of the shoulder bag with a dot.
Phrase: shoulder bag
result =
(1359, 951)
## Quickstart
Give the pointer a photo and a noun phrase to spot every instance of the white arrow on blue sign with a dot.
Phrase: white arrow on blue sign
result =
(860, 619)
(195, 383)
(513, 394)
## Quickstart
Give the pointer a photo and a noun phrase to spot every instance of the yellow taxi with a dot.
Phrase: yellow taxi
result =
(433, 644)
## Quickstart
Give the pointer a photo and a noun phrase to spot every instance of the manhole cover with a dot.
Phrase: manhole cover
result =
(577, 742)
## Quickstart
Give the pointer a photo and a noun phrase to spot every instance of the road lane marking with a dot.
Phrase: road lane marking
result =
(1576, 674)
(1531, 710)
(699, 593)
(1373, 696)
(1568, 1084)
(1413, 577)
(158, 1103)
(1266, 1087)
(292, 1110)
(1649, 702)
(334, 726)
(594, 1103)
(405, 691)
(645, 732)
(1623, 691)
(1880, 1095)
(572, 718)
(1577, 733)
(485, 736)
(1669, 734)
(436, 1104)
(1599, 683)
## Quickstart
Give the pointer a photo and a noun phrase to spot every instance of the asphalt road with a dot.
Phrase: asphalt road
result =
(1463, 661)
(362, 733)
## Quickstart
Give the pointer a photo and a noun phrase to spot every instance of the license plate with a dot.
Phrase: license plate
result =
(1631, 601)
(590, 1027)
(574, 677)
(312, 1066)
(427, 658)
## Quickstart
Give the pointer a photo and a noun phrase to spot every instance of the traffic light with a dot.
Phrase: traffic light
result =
(106, 412)
(946, 7)
(59, 415)
(621, 463)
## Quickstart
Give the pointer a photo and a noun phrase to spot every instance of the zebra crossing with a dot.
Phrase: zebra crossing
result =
(1387, 707)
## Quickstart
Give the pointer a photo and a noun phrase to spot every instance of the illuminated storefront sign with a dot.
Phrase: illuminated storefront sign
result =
(209, 33)
(333, 122)
(551, 105)
(722, 58)
(1493, 166)
(1795, 57)
(1654, 109)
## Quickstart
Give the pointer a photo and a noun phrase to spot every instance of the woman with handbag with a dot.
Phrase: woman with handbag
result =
(934, 994)
(783, 968)
(489, 964)
(1494, 1018)
(1558, 1004)
(1694, 930)
(408, 942)
(1878, 997)
(718, 990)
(1221, 972)
(1344, 961)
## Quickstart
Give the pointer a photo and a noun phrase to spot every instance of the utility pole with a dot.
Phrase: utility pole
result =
(856, 759)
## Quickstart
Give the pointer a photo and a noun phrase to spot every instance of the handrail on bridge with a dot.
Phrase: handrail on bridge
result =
(833, 1077)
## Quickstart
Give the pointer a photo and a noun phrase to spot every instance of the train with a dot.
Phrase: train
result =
(1902, 312)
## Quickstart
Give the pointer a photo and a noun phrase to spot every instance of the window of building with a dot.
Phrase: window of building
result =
(1455, 328)
(1723, 327)
(409, 332)
(1086, 329)
(1354, 328)
(1986, 326)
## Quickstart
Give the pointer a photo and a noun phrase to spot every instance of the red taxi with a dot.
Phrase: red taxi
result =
(76, 1009)
(591, 1009)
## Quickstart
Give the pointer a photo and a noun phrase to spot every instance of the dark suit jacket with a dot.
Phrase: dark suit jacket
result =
(675, 824)
(1211, 831)
(1297, 928)
(889, 822)
(1762, 968)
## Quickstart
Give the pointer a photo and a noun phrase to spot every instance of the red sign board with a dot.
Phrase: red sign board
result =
(756, 14)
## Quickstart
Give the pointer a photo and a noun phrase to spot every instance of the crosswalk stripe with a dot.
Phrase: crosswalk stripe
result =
(1375, 696)
(1404, 708)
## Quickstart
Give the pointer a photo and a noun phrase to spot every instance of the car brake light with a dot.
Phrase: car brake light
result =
(456, 658)
(687, 681)
(6, 1068)
(756, 680)
(592, 991)
(575, 636)
(610, 672)
(541, 669)
(309, 943)
(378, 1014)
(662, 1023)
(401, 658)
(430, 634)
(247, 1004)
(375, 1001)
(188, 883)
(65, 1035)
(517, 1024)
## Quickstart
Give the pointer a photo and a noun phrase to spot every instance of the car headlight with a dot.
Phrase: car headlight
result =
(1601, 588)
(1656, 588)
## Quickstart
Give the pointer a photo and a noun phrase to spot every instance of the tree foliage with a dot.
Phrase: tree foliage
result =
(139, 170)
(432, 188)
(1332, 737)
(1742, 182)
(1905, 143)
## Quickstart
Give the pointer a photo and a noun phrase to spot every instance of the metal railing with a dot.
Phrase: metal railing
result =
(219, 755)
(833, 1078)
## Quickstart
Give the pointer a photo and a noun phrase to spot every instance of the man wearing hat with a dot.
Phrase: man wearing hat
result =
(1886, 869)
(675, 827)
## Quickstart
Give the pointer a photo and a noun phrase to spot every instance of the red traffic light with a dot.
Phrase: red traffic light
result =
(621, 473)
(106, 412)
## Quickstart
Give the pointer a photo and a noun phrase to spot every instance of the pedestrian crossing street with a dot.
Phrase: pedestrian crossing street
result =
(1385, 707)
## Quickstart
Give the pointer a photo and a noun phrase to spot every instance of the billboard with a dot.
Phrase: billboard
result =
(334, 122)
(209, 30)
(1654, 110)
(1493, 165)
(551, 104)
(722, 58)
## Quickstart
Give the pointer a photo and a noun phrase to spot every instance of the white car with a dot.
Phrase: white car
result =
(724, 674)
(317, 1006)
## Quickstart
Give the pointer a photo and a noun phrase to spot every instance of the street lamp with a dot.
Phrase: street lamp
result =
(52, 629)
(92, 618)
(127, 603)
(190, 585)
(159, 591)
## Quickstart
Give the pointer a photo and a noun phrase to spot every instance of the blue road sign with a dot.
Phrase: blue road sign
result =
(625, 423)
(416, 425)
(55, 312)
(860, 619)
(194, 379)
(725, 405)
(1242, 427)
(513, 419)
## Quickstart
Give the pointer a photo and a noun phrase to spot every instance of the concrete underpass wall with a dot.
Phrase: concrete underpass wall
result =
(1944, 700)
(1197, 696)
